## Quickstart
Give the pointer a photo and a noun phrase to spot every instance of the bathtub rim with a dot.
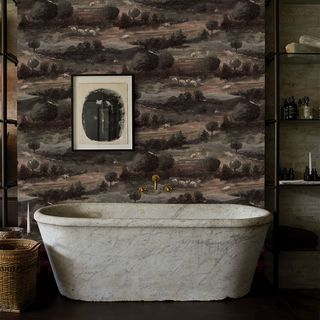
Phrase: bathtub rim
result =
(43, 218)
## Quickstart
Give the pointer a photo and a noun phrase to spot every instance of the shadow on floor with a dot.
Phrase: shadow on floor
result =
(262, 303)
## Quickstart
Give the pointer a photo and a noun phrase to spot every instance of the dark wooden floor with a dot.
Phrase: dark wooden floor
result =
(261, 304)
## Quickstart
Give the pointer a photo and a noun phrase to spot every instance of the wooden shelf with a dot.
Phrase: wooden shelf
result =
(299, 2)
(273, 121)
(299, 58)
(297, 183)
(293, 58)
(313, 121)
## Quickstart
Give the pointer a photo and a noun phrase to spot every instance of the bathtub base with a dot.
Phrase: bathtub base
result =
(212, 299)
(148, 264)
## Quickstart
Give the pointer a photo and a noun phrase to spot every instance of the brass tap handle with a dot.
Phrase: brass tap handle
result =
(155, 179)
(142, 189)
(167, 188)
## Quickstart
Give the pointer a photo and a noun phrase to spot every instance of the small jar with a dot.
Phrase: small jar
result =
(307, 112)
(300, 112)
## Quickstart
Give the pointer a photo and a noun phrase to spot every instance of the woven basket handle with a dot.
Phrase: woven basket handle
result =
(36, 246)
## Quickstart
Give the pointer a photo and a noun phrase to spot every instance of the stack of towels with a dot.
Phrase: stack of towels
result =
(307, 44)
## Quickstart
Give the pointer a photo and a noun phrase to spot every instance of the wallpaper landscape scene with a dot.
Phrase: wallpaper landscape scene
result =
(199, 99)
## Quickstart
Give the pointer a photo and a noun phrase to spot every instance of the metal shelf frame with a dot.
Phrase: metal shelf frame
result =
(277, 125)
(275, 235)
(5, 58)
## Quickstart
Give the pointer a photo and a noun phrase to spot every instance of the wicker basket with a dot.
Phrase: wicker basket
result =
(10, 232)
(18, 271)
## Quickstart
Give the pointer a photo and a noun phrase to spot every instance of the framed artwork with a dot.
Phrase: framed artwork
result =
(102, 112)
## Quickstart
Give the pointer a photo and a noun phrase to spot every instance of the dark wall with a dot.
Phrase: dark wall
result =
(199, 72)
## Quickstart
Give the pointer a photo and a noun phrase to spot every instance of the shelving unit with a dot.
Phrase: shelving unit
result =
(279, 85)
(7, 57)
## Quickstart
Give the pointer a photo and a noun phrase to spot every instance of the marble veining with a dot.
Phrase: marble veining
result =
(153, 252)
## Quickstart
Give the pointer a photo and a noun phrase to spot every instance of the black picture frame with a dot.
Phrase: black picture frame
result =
(129, 121)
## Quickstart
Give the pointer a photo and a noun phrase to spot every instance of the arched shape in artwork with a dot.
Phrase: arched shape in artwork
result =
(103, 115)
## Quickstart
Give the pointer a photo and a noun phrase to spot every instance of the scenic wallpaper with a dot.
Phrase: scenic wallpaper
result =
(199, 100)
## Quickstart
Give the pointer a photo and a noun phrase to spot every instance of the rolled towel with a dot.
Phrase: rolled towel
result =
(300, 48)
(310, 41)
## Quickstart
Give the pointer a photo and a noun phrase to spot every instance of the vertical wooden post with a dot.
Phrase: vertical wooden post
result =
(4, 140)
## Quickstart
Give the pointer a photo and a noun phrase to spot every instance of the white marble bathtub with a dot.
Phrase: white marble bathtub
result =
(153, 252)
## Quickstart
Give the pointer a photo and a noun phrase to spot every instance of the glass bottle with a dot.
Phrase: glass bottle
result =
(291, 175)
(306, 175)
(284, 110)
(292, 109)
(307, 110)
(300, 110)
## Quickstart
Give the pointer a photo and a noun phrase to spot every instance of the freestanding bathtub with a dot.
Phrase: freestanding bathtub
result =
(153, 252)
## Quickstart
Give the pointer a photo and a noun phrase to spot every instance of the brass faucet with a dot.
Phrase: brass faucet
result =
(155, 179)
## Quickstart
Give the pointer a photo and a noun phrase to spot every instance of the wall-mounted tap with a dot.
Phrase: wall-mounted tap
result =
(155, 179)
